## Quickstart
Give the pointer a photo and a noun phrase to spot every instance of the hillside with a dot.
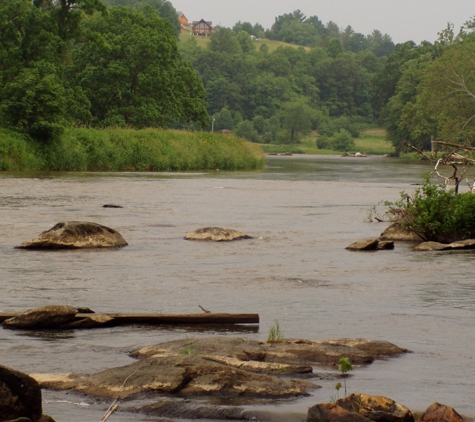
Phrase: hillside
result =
(272, 44)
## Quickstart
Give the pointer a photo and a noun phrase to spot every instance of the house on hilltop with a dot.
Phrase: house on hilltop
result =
(183, 19)
(202, 28)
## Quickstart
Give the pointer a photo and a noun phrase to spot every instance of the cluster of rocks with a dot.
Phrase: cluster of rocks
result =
(364, 408)
(20, 398)
(85, 234)
(396, 232)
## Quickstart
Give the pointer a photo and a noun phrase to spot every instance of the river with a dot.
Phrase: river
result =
(302, 212)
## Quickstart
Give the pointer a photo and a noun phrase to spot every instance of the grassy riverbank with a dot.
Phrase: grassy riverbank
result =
(129, 150)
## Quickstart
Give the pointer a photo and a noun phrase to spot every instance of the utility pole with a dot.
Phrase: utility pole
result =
(212, 123)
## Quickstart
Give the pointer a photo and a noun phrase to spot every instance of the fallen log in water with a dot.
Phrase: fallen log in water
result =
(115, 319)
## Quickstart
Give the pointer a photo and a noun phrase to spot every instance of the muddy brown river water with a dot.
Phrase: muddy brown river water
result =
(302, 212)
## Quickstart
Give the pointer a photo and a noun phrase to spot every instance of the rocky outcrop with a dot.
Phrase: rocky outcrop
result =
(376, 408)
(365, 408)
(371, 245)
(76, 235)
(20, 397)
(436, 246)
(222, 366)
(328, 412)
(432, 246)
(47, 317)
(360, 408)
(216, 234)
(399, 233)
(440, 413)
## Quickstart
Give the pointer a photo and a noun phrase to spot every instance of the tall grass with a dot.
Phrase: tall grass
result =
(144, 150)
(17, 152)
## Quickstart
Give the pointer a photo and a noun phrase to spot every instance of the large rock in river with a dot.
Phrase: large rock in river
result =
(216, 234)
(50, 316)
(20, 397)
(75, 235)
(221, 366)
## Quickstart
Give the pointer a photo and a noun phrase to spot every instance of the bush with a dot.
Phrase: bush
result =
(436, 213)
(342, 141)
(323, 142)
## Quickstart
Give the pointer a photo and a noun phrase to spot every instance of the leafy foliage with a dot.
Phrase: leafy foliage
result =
(344, 366)
(436, 213)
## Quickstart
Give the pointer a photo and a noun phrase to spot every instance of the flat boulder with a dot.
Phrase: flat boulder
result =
(20, 397)
(463, 244)
(47, 317)
(76, 235)
(432, 246)
(398, 232)
(364, 245)
(216, 234)
(376, 408)
(437, 412)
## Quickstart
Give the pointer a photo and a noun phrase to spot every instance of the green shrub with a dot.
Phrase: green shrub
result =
(323, 142)
(436, 213)
(342, 141)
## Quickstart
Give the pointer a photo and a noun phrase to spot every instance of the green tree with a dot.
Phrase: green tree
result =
(132, 74)
(224, 120)
(223, 41)
(245, 41)
(246, 130)
(445, 105)
(297, 118)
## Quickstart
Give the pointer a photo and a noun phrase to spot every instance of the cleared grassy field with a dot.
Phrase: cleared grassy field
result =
(371, 142)
(273, 45)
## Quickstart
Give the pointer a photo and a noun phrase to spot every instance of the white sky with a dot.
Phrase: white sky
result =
(403, 20)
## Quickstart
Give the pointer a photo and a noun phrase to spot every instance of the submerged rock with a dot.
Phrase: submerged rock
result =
(20, 397)
(75, 235)
(51, 316)
(216, 234)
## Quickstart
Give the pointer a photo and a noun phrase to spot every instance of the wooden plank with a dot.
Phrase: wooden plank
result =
(156, 319)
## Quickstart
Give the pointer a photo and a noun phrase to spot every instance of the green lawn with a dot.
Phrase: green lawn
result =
(273, 45)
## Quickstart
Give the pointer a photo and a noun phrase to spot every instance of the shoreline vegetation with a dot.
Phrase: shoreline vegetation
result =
(128, 150)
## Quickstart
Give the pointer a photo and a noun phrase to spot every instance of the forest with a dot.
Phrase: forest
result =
(128, 64)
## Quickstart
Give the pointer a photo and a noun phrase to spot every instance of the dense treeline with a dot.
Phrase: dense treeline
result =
(278, 96)
(76, 63)
(427, 92)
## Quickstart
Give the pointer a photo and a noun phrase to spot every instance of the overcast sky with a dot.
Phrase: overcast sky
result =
(403, 20)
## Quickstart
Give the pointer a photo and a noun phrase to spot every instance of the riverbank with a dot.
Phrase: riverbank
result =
(129, 150)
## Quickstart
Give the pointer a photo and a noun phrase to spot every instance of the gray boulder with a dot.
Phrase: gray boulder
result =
(432, 246)
(216, 234)
(76, 235)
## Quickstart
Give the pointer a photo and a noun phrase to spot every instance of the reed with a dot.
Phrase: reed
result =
(17, 153)
(81, 149)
